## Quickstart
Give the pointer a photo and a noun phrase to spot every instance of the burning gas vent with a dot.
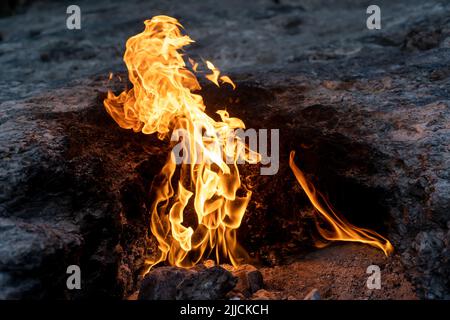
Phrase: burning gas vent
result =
(296, 149)
(206, 182)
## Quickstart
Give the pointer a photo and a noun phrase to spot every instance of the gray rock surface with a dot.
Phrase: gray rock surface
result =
(161, 283)
(63, 202)
(366, 111)
(263, 294)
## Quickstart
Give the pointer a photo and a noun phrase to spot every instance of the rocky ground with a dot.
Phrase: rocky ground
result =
(338, 272)
(366, 111)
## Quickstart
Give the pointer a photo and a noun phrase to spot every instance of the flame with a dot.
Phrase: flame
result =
(162, 101)
(340, 229)
(226, 79)
(214, 76)
(193, 64)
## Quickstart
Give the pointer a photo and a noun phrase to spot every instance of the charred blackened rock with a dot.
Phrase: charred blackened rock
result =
(207, 284)
(200, 283)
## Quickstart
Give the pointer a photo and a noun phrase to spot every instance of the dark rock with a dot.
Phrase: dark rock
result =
(430, 252)
(162, 283)
(34, 33)
(12, 6)
(60, 203)
(423, 39)
(250, 279)
(45, 57)
(62, 50)
(207, 284)
(199, 283)
(313, 295)
(30, 251)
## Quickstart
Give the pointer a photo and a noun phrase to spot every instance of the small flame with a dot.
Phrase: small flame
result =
(341, 230)
(214, 76)
(193, 64)
(206, 188)
(226, 79)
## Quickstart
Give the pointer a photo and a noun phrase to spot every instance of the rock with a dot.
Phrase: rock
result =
(61, 204)
(162, 283)
(235, 295)
(423, 39)
(313, 295)
(429, 242)
(263, 294)
(199, 283)
(430, 252)
(28, 252)
(133, 296)
(207, 284)
(12, 6)
(250, 279)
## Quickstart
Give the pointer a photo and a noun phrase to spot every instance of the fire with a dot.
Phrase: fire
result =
(215, 75)
(340, 229)
(199, 203)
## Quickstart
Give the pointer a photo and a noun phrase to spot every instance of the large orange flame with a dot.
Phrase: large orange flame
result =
(207, 181)
(340, 229)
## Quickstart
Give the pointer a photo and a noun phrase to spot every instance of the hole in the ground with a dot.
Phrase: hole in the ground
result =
(361, 205)
(279, 220)
(280, 215)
